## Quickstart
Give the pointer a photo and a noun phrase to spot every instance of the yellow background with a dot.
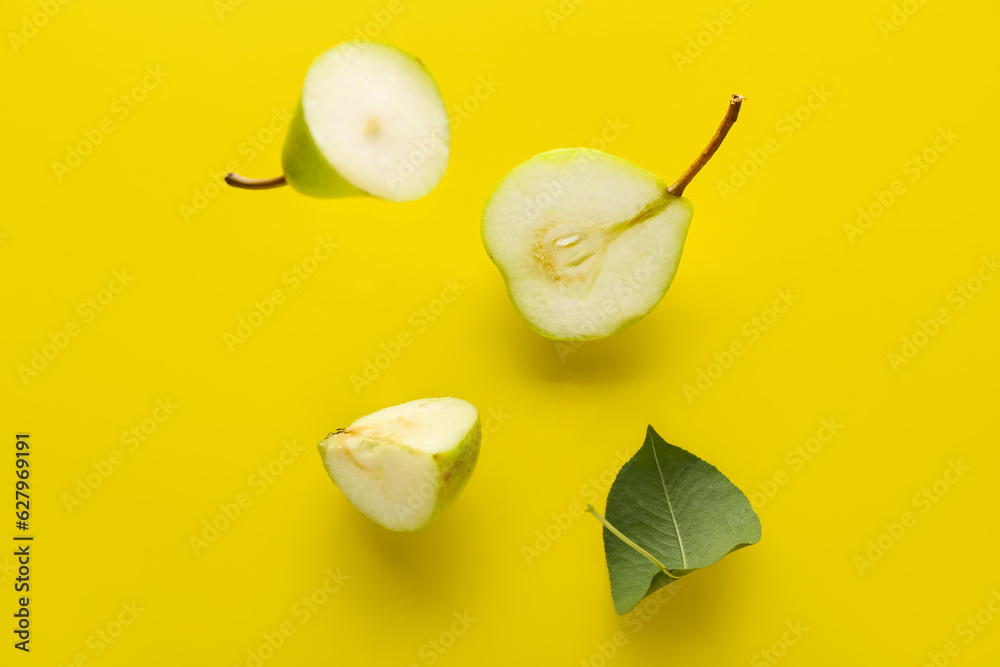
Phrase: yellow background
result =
(562, 417)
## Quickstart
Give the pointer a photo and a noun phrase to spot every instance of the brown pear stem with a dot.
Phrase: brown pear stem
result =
(677, 189)
(238, 181)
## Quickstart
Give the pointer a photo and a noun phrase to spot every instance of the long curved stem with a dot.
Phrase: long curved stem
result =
(238, 181)
(677, 189)
(652, 559)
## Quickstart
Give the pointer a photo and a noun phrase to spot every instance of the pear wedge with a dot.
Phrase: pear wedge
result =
(403, 466)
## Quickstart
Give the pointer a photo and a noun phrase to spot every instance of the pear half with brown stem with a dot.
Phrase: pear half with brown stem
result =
(588, 243)
(370, 121)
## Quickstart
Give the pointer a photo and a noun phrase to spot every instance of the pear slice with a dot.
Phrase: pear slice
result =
(588, 243)
(403, 466)
(370, 121)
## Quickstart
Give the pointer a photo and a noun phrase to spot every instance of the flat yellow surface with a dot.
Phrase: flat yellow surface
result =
(860, 417)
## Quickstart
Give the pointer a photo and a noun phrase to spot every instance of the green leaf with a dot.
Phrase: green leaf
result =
(669, 513)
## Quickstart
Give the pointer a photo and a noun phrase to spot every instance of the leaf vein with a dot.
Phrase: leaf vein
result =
(670, 506)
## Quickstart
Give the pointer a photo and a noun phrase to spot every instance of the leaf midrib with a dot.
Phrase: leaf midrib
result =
(670, 505)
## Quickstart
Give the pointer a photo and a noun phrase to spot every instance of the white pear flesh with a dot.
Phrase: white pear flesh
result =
(587, 243)
(404, 465)
(371, 121)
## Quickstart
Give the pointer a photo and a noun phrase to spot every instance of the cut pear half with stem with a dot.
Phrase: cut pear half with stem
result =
(370, 121)
(403, 466)
(588, 243)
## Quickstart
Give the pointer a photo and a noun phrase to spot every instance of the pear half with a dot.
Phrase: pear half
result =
(588, 243)
(370, 121)
(403, 466)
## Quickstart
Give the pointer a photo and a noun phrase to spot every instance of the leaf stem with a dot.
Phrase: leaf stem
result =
(677, 189)
(245, 183)
(652, 559)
